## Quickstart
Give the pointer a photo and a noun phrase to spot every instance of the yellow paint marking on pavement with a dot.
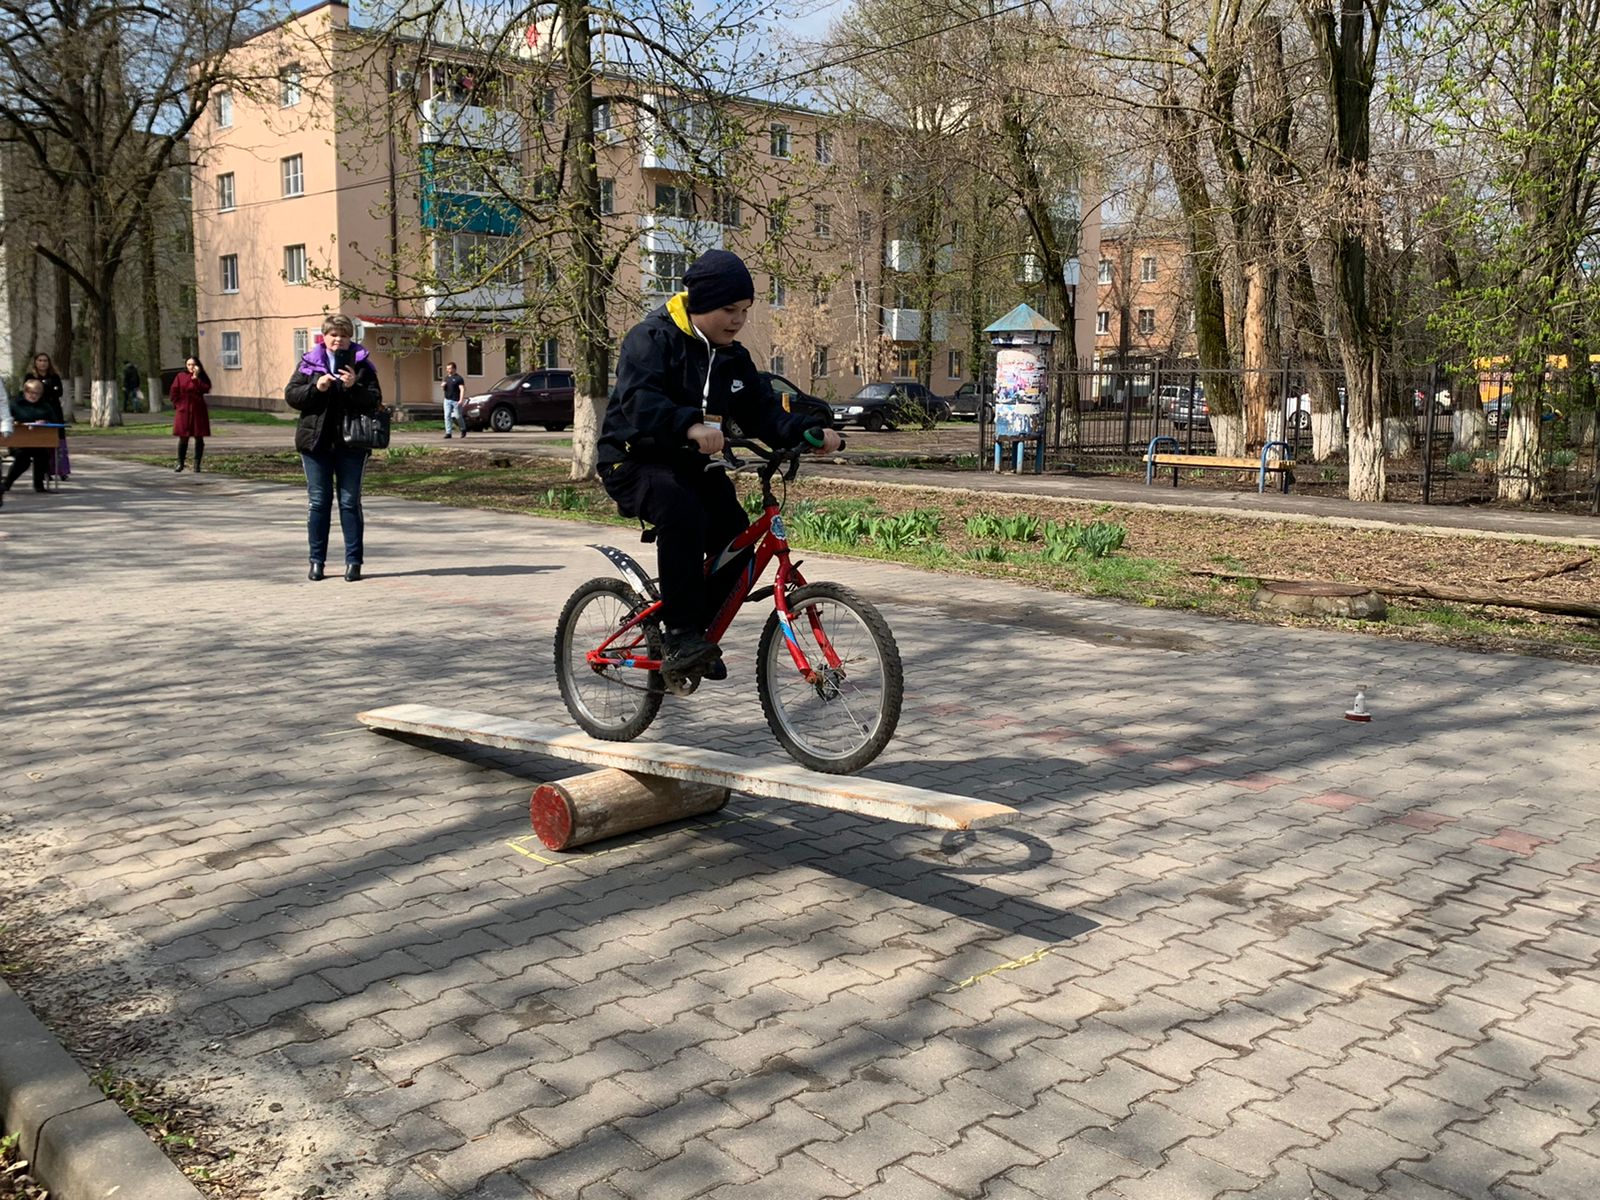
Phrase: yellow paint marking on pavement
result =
(1014, 964)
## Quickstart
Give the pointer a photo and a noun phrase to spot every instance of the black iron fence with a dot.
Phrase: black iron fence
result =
(1105, 418)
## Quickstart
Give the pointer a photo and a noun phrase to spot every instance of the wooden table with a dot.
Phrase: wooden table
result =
(25, 437)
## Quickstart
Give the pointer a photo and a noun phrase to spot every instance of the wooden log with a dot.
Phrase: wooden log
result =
(1427, 591)
(610, 802)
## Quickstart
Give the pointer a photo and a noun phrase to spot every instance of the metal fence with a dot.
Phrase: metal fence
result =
(1104, 419)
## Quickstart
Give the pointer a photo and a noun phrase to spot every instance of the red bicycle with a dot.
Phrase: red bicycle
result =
(827, 668)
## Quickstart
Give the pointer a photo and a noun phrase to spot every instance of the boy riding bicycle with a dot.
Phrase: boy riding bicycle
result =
(680, 375)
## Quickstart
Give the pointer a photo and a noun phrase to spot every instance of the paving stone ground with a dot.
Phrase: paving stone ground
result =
(1239, 946)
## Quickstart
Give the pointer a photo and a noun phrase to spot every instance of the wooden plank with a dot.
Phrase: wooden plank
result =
(778, 781)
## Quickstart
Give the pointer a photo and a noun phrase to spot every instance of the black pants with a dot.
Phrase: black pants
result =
(199, 451)
(696, 513)
(19, 463)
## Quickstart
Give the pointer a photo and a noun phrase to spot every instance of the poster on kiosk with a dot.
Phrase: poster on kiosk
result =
(1019, 382)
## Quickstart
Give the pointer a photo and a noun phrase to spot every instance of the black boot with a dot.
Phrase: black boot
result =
(316, 570)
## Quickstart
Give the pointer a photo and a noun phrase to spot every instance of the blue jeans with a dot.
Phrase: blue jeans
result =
(453, 416)
(339, 467)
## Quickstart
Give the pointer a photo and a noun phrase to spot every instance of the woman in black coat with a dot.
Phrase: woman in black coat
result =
(333, 379)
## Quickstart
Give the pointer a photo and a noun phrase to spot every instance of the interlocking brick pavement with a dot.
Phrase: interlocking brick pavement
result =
(1237, 946)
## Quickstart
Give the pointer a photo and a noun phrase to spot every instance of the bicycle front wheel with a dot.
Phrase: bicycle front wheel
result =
(613, 702)
(842, 717)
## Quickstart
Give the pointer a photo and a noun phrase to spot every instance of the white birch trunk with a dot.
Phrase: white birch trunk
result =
(152, 394)
(105, 403)
(1580, 428)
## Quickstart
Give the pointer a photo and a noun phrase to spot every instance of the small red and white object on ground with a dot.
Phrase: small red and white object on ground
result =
(1358, 711)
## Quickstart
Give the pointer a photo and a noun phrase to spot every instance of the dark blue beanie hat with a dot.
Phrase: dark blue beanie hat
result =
(717, 279)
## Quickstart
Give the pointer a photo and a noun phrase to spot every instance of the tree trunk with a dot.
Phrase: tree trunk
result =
(104, 387)
(593, 358)
(61, 354)
(152, 312)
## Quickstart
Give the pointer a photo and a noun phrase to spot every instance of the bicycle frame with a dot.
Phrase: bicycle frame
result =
(764, 542)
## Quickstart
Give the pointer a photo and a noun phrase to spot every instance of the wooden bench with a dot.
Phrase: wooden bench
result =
(648, 783)
(1280, 463)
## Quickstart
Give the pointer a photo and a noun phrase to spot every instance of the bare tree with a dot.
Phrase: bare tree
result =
(100, 97)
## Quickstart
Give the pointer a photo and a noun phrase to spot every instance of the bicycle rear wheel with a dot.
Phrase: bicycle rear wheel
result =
(842, 718)
(616, 703)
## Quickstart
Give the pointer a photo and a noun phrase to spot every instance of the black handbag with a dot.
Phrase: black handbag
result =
(367, 431)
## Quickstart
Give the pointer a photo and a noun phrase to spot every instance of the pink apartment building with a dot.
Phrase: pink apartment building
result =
(340, 164)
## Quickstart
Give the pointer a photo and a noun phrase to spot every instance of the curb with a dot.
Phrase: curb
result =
(78, 1144)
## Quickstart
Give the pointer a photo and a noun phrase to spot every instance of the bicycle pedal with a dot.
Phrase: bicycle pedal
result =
(680, 683)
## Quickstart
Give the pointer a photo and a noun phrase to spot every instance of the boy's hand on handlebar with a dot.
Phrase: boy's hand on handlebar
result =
(706, 438)
(831, 442)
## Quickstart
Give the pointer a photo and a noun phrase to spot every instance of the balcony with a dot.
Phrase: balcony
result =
(678, 235)
(692, 137)
(495, 301)
(467, 212)
(905, 325)
(468, 125)
(902, 255)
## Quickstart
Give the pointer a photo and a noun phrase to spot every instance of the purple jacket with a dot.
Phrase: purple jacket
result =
(322, 413)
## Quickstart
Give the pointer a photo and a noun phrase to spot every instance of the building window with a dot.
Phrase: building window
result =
(1102, 321)
(819, 362)
(904, 364)
(289, 87)
(822, 220)
(549, 353)
(864, 225)
(225, 192)
(608, 197)
(778, 140)
(224, 103)
(513, 355)
(232, 355)
(824, 147)
(821, 292)
(863, 295)
(438, 362)
(294, 264)
(294, 175)
(1147, 269)
(459, 257)
(775, 363)
(953, 368)
(302, 343)
(547, 104)
(474, 356)
(1105, 271)
(665, 269)
(777, 218)
(779, 295)
(729, 211)
(230, 272)
(602, 116)
(673, 201)
(1147, 321)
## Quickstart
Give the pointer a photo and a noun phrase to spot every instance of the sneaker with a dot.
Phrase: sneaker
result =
(687, 651)
(717, 671)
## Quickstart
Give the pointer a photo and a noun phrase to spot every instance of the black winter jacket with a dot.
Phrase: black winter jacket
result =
(661, 390)
(322, 413)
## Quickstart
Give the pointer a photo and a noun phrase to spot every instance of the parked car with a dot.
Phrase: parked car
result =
(965, 402)
(892, 404)
(1498, 411)
(542, 397)
(1183, 406)
(794, 398)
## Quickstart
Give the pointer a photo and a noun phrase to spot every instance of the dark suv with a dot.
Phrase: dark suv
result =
(542, 397)
(887, 405)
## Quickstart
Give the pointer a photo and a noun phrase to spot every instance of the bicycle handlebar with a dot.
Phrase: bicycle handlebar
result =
(771, 459)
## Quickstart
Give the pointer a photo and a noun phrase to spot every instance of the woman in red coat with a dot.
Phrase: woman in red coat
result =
(190, 417)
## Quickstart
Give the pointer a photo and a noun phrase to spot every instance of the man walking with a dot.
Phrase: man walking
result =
(453, 384)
